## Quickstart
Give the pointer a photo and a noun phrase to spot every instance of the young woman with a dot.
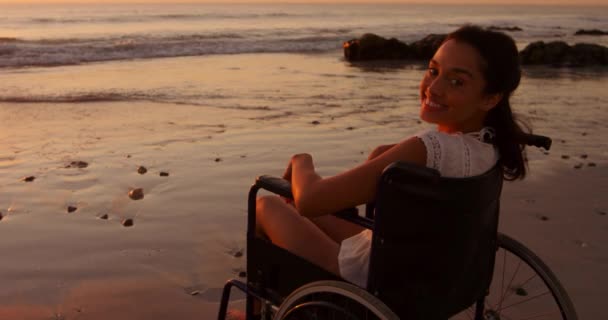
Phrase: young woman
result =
(465, 93)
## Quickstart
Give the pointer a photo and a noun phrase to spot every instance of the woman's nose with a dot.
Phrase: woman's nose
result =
(435, 87)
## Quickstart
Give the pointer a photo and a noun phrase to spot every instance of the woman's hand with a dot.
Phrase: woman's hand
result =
(289, 170)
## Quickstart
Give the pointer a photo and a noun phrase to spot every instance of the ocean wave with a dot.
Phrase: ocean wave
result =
(76, 97)
(138, 18)
(57, 52)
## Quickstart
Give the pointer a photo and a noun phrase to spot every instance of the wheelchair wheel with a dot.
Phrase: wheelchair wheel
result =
(523, 287)
(332, 300)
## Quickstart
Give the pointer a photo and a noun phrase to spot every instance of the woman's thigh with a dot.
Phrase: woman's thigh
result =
(288, 229)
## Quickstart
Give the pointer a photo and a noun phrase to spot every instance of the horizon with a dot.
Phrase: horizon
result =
(413, 2)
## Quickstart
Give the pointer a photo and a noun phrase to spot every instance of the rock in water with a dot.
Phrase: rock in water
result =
(136, 194)
(164, 174)
(71, 209)
(29, 179)
(142, 170)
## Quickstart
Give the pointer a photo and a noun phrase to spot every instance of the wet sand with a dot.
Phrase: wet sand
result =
(188, 230)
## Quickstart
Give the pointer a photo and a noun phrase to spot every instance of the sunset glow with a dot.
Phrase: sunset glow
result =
(489, 2)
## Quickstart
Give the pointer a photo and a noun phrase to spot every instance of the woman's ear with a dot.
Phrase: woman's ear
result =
(491, 101)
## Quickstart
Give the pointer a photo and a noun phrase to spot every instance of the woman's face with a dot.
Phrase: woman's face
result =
(452, 89)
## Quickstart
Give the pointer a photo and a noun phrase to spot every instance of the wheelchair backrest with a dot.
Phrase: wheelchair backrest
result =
(434, 240)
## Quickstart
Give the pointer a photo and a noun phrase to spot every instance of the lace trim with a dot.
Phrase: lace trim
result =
(436, 151)
(467, 159)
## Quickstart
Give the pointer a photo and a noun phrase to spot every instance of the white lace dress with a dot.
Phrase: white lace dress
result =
(453, 155)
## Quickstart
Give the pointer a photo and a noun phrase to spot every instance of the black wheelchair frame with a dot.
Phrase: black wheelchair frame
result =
(427, 266)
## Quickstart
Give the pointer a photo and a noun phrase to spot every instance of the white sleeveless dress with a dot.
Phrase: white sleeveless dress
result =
(453, 155)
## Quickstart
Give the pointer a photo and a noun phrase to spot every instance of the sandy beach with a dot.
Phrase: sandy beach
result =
(256, 111)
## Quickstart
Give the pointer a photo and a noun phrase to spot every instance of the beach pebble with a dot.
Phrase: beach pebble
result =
(127, 222)
(563, 141)
(238, 254)
(29, 179)
(142, 170)
(584, 156)
(582, 244)
(578, 166)
(136, 194)
(128, 156)
(565, 156)
(350, 128)
(195, 293)
(77, 164)
(591, 164)
(243, 156)
(71, 209)
(601, 213)
(315, 122)
(164, 174)
(584, 134)
(218, 159)
(242, 274)
(104, 216)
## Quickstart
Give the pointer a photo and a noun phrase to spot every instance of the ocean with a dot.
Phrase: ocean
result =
(55, 35)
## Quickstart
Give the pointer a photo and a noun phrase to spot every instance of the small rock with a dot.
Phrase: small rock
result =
(543, 218)
(243, 156)
(71, 209)
(128, 156)
(77, 164)
(563, 141)
(582, 244)
(591, 164)
(584, 156)
(578, 166)
(104, 216)
(350, 128)
(315, 122)
(142, 170)
(242, 274)
(29, 179)
(218, 159)
(238, 254)
(164, 174)
(601, 213)
(136, 194)
(565, 156)
(195, 293)
(127, 222)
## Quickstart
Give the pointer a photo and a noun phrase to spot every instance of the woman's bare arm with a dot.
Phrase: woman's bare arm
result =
(315, 196)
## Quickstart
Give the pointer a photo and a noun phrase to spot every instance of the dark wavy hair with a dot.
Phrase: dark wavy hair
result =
(502, 72)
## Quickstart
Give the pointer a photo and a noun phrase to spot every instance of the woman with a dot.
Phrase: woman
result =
(465, 92)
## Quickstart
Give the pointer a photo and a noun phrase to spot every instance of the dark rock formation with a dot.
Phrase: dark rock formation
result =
(512, 29)
(592, 32)
(560, 54)
(374, 47)
(556, 53)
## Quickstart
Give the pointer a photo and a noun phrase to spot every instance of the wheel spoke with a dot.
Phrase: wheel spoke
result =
(526, 300)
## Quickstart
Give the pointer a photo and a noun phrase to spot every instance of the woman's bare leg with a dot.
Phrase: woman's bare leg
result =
(336, 228)
(289, 230)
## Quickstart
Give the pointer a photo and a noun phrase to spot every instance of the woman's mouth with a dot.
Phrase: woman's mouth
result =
(432, 105)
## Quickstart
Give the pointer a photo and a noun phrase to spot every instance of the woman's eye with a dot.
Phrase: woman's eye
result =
(432, 71)
(456, 82)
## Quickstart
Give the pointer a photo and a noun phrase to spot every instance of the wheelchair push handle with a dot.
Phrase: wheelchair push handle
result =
(538, 141)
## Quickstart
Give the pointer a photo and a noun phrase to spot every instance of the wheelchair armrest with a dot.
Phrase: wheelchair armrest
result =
(282, 187)
(275, 185)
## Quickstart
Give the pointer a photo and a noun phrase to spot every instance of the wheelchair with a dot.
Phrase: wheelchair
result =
(444, 259)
